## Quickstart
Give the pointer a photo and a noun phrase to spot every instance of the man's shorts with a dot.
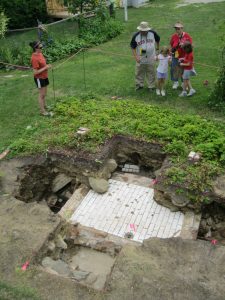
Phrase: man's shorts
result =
(161, 75)
(40, 83)
(188, 73)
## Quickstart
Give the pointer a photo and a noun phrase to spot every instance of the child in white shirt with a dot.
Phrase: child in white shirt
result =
(162, 71)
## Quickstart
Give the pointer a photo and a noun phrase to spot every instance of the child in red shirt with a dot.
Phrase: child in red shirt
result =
(187, 64)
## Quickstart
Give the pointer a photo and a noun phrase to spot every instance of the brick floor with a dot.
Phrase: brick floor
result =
(128, 208)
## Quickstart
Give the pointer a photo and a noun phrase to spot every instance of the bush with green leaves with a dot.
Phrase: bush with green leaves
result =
(93, 32)
(217, 97)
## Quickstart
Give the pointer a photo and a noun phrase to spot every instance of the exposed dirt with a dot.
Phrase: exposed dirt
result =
(164, 269)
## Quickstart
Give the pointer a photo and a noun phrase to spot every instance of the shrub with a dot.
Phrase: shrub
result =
(93, 32)
(217, 97)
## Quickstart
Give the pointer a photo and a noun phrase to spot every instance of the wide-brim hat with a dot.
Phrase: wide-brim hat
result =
(144, 26)
(178, 25)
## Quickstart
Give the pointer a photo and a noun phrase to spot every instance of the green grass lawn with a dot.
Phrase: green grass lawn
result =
(109, 68)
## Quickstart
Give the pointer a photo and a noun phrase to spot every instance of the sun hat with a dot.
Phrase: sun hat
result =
(178, 25)
(144, 26)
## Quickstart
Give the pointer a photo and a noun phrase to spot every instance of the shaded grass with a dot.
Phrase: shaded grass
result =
(9, 292)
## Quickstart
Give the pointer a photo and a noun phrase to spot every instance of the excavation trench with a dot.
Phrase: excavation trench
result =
(104, 201)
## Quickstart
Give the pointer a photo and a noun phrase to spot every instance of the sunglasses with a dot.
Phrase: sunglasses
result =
(178, 28)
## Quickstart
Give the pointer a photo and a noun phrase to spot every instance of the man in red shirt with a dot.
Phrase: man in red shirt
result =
(177, 41)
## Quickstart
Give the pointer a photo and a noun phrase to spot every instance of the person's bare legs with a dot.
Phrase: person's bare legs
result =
(41, 99)
(186, 84)
(163, 92)
(163, 81)
(189, 84)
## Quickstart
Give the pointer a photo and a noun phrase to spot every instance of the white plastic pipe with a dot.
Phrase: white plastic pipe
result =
(125, 10)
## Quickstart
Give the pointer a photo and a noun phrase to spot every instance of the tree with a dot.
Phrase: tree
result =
(3, 24)
(76, 6)
(24, 13)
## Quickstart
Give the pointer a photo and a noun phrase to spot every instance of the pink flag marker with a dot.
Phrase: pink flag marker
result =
(214, 242)
(133, 227)
(25, 266)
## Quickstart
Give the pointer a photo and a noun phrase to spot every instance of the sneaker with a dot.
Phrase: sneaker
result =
(183, 94)
(45, 114)
(157, 92)
(163, 93)
(191, 92)
(175, 85)
(138, 88)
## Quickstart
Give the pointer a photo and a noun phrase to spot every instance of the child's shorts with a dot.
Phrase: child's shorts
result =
(40, 83)
(161, 75)
(188, 73)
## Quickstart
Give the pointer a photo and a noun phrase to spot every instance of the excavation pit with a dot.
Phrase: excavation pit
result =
(82, 265)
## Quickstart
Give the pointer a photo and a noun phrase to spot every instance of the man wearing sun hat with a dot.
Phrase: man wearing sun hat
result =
(177, 41)
(143, 45)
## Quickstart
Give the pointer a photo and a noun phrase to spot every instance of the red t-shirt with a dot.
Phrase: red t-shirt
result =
(177, 41)
(188, 58)
(38, 62)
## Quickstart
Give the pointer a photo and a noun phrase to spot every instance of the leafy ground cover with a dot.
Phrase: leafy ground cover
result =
(179, 134)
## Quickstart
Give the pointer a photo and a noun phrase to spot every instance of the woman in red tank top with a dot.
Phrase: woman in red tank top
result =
(40, 69)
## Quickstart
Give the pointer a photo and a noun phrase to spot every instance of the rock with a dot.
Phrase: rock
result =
(73, 264)
(179, 200)
(164, 200)
(111, 165)
(60, 242)
(219, 186)
(51, 246)
(122, 157)
(222, 232)
(80, 275)
(83, 131)
(208, 234)
(91, 279)
(16, 235)
(99, 185)
(220, 225)
(60, 181)
(58, 266)
(146, 280)
(51, 200)
(209, 221)
(203, 224)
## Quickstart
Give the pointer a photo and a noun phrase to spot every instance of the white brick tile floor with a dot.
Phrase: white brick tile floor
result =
(127, 208)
